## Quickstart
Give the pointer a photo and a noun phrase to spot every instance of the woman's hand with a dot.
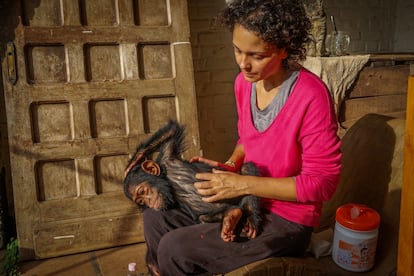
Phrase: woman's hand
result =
(219, 185)
(216, 164)
(204, 160)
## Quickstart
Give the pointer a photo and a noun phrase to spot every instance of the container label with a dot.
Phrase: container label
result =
(357, 256)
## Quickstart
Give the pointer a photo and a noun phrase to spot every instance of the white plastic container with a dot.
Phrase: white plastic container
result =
(132, 269)
(355, 237)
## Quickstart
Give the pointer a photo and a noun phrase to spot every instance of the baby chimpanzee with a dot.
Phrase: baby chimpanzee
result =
(167, 181)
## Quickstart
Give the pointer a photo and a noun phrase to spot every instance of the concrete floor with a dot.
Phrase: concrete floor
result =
(114, 262)
(105, 262)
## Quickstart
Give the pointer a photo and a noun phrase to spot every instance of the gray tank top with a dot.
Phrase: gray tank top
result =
(263, 118)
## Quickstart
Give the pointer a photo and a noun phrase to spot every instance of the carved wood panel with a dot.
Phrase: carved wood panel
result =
(95, 77)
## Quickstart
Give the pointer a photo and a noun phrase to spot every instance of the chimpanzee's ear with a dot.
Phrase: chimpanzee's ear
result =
(151, 167)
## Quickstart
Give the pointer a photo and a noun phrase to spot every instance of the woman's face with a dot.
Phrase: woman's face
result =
(257, 59)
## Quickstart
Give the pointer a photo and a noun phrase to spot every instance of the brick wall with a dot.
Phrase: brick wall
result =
(375, 26)
(404, 27)
(214, 71)
(370, 23)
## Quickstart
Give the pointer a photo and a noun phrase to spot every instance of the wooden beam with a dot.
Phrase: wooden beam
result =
(405, 263)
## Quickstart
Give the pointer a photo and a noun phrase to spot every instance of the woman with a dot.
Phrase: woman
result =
(287, 127)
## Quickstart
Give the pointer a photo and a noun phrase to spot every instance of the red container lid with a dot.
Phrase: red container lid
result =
(357, 217)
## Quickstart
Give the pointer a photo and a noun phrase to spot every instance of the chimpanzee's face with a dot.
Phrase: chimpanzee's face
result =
(146, 195)
(147, 187)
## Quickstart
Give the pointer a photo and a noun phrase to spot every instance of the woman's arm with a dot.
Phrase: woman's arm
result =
(236, 158)
(223, 185)
(232, 164)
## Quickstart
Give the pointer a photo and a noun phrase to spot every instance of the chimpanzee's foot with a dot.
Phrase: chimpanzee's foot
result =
(230, 220)
(250, 230)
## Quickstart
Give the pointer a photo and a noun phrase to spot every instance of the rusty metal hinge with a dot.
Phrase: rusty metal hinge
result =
(11, 63)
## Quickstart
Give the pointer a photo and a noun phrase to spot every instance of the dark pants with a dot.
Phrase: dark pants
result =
(177, 245)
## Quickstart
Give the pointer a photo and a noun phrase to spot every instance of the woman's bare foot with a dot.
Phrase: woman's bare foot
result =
(153, 270)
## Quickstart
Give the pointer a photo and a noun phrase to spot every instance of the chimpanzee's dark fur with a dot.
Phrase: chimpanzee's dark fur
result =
(178, 176)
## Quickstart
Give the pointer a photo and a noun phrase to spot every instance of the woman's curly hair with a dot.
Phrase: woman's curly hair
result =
(283, 23)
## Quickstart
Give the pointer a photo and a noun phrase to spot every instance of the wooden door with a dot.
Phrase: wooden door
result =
(94, 77)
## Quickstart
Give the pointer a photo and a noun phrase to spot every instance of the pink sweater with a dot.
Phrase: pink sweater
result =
(301, 142)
